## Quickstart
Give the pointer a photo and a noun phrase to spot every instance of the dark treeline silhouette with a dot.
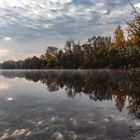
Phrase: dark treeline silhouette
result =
(98, 85)
(98, 52)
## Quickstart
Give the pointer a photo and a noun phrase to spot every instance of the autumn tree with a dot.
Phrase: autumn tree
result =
(119, 38)
(134, 31)
(50, 56)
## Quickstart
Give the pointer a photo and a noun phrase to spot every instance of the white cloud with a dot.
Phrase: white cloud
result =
(137, 5)
(34, 7)
(99, 4)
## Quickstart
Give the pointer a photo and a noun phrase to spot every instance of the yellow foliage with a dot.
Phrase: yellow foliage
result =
(119, 38)
(134, 31)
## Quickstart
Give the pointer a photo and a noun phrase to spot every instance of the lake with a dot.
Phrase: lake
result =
(69, 105)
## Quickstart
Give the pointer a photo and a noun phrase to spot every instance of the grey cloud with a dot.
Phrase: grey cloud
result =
(29, 22)
(54, 21)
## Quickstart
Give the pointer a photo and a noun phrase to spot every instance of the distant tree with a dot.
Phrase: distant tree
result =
(50, 57)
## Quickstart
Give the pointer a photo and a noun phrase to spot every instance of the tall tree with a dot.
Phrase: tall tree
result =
(119, 38)
(134, 31)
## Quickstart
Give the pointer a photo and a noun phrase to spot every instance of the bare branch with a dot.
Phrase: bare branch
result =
(131, 2)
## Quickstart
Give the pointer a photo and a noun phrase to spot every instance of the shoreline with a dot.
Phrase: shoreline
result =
(102, 69)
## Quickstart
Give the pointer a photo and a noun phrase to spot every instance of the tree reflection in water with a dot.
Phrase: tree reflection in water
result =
(120, 86)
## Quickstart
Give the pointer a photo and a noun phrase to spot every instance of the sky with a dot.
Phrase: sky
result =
(27, 27)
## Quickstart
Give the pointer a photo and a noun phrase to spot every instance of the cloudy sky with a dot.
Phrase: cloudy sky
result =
(27, 27)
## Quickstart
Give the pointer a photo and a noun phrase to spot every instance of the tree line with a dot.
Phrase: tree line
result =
(123, 51)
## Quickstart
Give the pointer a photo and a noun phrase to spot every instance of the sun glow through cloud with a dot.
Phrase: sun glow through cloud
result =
(7, 38)
(3, 52)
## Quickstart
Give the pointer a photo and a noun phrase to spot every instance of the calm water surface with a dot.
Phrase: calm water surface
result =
(69, 105)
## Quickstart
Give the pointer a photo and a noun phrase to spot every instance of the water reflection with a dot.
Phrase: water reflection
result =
(122, 88)
(98, 85)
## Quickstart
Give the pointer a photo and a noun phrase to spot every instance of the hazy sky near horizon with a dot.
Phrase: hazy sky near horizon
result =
(27, 27)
